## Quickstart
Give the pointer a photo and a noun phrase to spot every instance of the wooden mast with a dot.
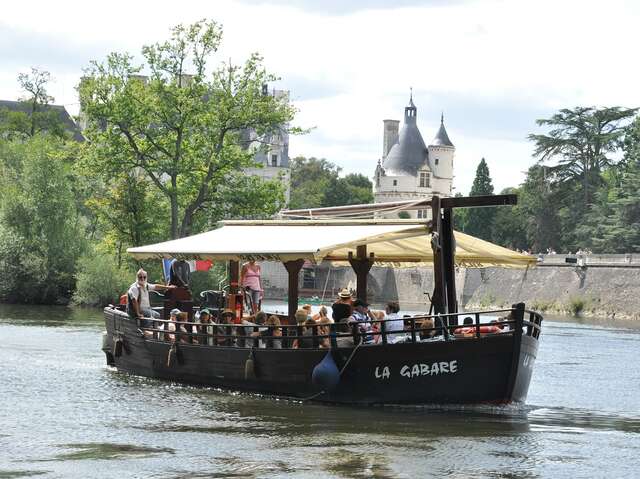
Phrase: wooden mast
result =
(293, 269)
(361, 265)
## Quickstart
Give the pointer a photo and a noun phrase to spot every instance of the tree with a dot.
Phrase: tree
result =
(41, 236)
(479, 221)
(316, 183)
(182, 126)
(613, 224)
(509, 226)
(582, 140)
(36, 115)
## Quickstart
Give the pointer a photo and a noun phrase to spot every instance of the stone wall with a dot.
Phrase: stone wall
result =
(607, 291)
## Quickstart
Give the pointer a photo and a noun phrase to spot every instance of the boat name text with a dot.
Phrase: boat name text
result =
(419, 369)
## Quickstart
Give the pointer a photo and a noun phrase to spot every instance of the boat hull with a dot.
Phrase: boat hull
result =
(492, 369)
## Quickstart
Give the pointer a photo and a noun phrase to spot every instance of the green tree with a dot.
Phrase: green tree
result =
(538, 203)
(41, 235)
(182, 126)
(317, 183)
(583, 141)
(37, 115)
(613, 223)
(479, 221)
(510, 226)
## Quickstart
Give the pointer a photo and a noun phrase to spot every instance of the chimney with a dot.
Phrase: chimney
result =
(390, 135)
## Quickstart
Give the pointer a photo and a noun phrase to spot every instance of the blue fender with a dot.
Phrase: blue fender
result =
(326, 375)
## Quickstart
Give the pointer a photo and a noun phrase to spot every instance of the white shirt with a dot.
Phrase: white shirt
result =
(394, 323)
(135, 290)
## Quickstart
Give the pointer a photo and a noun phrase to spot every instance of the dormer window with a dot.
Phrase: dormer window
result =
(425, 179)
(274, 160)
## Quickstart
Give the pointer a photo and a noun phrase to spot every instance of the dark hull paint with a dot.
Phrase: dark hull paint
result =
(492, 369)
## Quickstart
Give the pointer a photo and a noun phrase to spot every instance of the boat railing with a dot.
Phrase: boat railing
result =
(421, 328)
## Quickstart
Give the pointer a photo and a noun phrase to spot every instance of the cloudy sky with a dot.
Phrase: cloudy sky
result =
(493, 67)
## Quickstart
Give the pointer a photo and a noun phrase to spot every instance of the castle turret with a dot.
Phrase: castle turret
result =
(441, 153)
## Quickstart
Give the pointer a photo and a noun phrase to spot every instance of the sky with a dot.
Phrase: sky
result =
(492, 67)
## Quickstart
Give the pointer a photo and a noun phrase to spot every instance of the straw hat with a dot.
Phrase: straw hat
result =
(345, 293)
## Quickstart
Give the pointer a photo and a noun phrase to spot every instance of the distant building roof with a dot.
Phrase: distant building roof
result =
(441, 138)
(62, 112)
(410, 153)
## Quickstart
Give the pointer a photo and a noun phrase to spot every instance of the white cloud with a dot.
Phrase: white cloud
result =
(525, 57)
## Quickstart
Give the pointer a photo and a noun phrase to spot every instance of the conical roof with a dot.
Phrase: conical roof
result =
(410, 153)
(441, 138)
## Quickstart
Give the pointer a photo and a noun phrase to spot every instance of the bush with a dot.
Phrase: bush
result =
(100, 281)
(576, 305)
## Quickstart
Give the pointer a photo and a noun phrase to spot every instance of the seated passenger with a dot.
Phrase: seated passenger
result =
(307, 341)
(429, 324)
(172, 326)
(322, 313)
(307, 308)
(363, 317)
(468, 329)
(269, 337)
(224, 328)
(205, 327)
(394, 324)
(300, 317)
(342, 309)
(324, 329)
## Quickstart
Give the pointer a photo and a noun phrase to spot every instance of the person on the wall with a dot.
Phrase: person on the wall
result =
(250, 282)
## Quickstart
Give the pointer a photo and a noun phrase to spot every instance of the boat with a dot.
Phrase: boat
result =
(439, 359)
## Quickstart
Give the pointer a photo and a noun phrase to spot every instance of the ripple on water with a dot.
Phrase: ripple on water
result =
(106, 450)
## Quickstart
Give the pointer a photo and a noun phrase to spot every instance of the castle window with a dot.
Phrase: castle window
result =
(437, 161)
(422, 214)
(395, 182)
(425, 179)
(274, 160)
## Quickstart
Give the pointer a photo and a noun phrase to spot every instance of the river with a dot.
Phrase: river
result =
(65, 414)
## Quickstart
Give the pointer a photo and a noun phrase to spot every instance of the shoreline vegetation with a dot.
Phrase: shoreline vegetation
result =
(163, 150)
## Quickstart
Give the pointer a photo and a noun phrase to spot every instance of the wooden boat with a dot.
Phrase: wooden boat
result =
(436, 362)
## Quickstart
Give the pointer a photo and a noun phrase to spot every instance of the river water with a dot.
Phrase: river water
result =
(65, 414)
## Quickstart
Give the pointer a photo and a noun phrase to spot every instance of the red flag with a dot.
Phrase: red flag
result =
(203, 265)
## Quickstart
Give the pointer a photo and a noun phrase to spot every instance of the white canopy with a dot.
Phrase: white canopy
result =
(391, 241)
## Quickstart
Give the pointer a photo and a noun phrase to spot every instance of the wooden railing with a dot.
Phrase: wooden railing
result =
(445, 327)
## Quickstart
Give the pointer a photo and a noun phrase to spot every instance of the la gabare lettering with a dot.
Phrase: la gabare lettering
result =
(419, 369)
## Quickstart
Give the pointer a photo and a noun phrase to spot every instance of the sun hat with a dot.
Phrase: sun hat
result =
(175, 312)
(345, 293)
(227, 312)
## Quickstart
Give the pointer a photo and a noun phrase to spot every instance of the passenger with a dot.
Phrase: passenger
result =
(342, 308)
(324, 329)
(138, 303)
(250, 281)
(307, 341)
(205, 327)
(173, 327)
(429, 324)
(394, 323)
(270, 337)
(363, 317)
(307, 308)
(301, 318)
(226, 318)
(321, 314)
(261, 317)
(467, 330)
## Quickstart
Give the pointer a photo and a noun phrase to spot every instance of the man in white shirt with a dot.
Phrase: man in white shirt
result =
(138, 297)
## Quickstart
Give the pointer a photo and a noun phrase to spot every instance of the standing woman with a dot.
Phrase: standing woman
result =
(250, 281)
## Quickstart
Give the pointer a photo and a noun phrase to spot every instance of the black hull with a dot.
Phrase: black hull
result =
(493, 369)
